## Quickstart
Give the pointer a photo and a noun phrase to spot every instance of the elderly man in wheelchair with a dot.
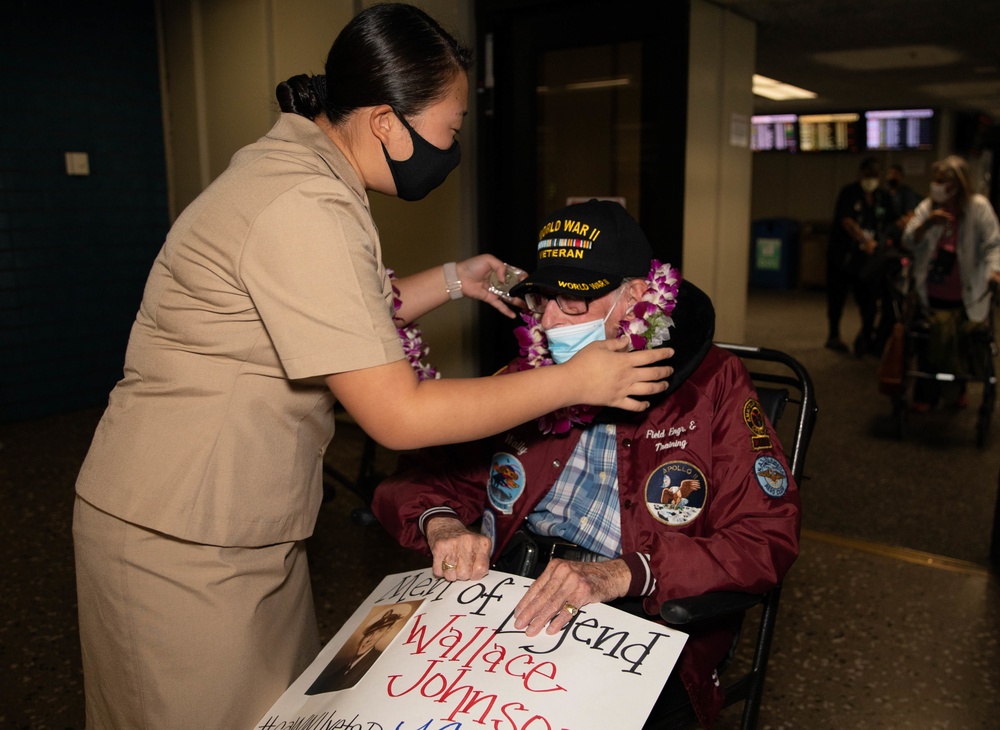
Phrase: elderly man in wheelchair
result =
(692, 496)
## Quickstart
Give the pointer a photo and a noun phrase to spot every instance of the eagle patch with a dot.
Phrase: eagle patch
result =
(771, 476)
(676, 493)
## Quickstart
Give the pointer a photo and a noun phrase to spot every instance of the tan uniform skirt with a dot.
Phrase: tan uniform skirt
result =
(177, 634)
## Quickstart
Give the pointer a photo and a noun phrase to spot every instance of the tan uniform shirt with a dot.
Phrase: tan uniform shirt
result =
(270, 279)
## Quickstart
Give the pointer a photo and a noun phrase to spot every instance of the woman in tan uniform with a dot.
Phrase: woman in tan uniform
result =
(269, 302)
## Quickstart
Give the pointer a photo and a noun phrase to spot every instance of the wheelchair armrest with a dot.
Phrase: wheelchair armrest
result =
(708, 606)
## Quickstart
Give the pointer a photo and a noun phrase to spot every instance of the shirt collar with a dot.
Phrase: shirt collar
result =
(300, 130)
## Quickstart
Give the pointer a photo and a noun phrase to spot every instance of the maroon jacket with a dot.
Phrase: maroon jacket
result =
(739, 530)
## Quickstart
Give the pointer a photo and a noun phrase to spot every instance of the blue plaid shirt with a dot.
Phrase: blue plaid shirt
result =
(582, 506)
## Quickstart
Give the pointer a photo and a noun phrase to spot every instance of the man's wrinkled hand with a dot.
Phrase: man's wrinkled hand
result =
(572, 584)
(459, 553)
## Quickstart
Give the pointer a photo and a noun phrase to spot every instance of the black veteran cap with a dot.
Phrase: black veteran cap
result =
(587, 249)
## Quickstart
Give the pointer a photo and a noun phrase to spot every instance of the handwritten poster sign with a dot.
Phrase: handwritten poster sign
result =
(425, 654)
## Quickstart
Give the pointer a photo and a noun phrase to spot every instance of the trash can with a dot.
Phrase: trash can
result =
(774, 253)
(814, 236)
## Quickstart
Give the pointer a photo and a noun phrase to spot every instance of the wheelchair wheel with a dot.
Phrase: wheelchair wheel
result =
(985, 413)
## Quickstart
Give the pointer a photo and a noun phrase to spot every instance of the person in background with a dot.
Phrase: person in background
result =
(268, 303)
(883, 273)
(693, 495)
(862, 219)
(904, 200)
(955, 238)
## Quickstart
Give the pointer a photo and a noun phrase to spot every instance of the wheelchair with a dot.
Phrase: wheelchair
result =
(781, 381)
(916, 335)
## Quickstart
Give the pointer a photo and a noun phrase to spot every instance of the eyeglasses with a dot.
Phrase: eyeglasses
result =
(538, 301)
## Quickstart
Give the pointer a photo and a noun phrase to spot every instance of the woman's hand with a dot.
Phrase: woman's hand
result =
(459, 553)
(424, 291)
(605, 375)
(474, 273)
(938, 216)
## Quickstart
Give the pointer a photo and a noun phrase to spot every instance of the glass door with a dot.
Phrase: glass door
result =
(576, 100)
(589, 103)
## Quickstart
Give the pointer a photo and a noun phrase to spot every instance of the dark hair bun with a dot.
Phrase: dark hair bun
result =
(298, 95)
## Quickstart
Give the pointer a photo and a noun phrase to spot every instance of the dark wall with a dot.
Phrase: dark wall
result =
(75, 250)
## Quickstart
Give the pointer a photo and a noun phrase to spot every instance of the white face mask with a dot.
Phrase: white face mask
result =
(940, 192)
(869, 184)
(566, 341)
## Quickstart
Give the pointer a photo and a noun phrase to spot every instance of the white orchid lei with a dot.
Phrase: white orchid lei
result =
(412, 338)
(649, 328)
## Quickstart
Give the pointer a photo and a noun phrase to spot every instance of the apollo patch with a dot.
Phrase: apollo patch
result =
(771, 476)
(753, 416)
(676, 493)
(506, 482)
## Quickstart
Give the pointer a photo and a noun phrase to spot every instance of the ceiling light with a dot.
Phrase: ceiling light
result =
(880, 59)
(777, 90)
(596, 84)
(600, 84)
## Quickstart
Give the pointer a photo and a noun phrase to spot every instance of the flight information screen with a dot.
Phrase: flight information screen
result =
(840, 132)
(774, 132)
(899, 129)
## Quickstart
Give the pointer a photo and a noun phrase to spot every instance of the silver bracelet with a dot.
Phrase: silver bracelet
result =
(451, 281)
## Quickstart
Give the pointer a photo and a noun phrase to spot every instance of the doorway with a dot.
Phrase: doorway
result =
(577, 100)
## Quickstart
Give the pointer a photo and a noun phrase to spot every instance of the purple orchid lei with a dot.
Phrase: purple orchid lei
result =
(412, 338)
(649, 328)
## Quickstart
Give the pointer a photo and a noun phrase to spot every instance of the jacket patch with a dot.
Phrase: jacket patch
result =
(488, 526)
(676, 493)
(771, 476)
(506, 483)
(753, 416)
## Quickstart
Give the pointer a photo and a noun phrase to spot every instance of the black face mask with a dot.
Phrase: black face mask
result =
(425, 169)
